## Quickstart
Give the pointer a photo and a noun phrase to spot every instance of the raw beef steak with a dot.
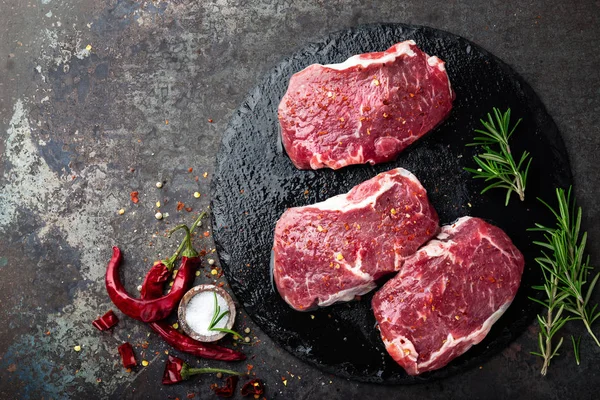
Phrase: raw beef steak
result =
(366, 109)
(448, 295)
(335, 250)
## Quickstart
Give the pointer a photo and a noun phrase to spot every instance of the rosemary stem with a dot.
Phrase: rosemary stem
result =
(519, 184)
(549, 318)
(584, 318)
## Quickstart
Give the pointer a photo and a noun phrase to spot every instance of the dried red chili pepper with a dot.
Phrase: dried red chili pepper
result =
(160, 272)
(153, 309)
(106, 321)
(127, 356)
(155, 279)
(228, 389)
(188, 345)
(254, 387)
(176, 370)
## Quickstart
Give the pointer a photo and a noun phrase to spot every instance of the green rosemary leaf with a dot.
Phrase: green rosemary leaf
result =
(576, 348)
(496, 162)
(565, 268)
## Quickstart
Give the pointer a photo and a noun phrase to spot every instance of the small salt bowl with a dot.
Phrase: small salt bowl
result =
(197, 308)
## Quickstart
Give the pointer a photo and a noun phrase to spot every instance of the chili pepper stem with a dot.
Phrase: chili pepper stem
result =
(189, 250)
(196, 371)
(170, 262)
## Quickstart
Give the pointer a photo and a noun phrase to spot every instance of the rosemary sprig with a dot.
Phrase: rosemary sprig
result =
(497, 164)
(565, 274)
(217, 317)
(550, 323)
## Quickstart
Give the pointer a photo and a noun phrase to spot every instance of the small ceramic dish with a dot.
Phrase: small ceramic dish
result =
(185, 309)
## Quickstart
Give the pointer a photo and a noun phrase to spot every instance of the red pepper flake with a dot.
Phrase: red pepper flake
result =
(228, 389)
(188, 209)
(196, 178)
(210, 121)
(127, 356)
(206, 234)
(134, 197)
(254, 387)
(191, 395)
(180, 206)
(190, 169)
(104, 322)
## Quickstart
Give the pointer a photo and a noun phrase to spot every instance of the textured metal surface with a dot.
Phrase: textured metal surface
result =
(255, 182)
(95, 115)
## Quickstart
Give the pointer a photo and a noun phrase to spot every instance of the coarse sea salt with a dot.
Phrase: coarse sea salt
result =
(200, 310)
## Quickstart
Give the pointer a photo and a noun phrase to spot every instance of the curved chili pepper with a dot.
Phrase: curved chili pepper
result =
(154, 309)
(177, 370)
(185, 343)
(188, 345)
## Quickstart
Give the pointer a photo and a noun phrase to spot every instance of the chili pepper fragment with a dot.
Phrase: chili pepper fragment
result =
(228, 389)
(177, 370)
(127, 356)
(106, 321)
(254, 387)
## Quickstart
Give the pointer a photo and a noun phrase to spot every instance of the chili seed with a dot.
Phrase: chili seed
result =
(159, 185)
(247, 339)
(211, 261)
(145, 363)
(158, 215)
(219, 375)
(77, 348)
(121, 211)
(197, 195)
(247, 330)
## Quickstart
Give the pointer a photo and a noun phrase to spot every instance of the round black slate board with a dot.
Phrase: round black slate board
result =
(255, 182)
